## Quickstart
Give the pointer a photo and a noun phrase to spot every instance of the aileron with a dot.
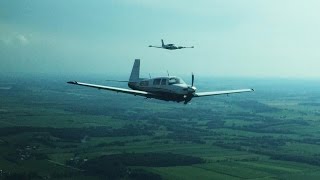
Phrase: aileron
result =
(214, 93)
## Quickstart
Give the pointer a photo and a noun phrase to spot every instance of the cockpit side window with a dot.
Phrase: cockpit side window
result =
(164, 82)
(173, 81)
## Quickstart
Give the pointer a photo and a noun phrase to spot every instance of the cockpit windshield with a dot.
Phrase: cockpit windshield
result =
(175, 80)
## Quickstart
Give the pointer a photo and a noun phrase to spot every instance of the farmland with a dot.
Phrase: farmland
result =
(49, 129)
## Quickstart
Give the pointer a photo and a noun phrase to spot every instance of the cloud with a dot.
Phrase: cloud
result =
(11, 35)
(14, 39)
(22, 39)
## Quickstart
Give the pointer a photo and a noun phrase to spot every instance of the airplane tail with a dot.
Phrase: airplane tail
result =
(134, 77)
(162, 42)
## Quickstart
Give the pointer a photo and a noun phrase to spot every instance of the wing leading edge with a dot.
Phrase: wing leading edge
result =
(214, 93)
(110, 88)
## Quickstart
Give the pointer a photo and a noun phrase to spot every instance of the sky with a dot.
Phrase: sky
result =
(232, 38)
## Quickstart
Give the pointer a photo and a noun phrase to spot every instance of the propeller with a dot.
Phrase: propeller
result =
(191, 90)
(192, 79)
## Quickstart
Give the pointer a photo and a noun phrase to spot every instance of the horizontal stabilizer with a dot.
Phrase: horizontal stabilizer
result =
(115, 80)
(72, 82)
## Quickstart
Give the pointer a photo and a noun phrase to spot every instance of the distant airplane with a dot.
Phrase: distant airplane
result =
(170, 46)
(170, 88)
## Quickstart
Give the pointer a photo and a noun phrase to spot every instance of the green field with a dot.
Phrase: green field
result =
(50, 130)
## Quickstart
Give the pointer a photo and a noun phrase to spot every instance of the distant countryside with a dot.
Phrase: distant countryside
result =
(51, 130)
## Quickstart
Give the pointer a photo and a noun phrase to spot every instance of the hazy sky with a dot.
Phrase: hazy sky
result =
(255, 38)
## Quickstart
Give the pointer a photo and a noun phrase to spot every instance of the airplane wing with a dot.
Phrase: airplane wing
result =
(181, 47)
(110, 88)
(156, 46)
(214, 93)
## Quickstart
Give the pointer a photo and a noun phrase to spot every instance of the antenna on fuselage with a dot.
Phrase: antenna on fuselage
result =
(168, 73)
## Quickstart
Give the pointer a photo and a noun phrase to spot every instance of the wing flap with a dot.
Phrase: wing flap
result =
(215, 93)
(110, 88)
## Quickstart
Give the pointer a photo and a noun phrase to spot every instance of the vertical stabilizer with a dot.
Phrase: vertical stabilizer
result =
(134, 77)
(162, 42)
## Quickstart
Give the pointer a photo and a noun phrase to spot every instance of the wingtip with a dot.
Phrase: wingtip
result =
(252, 89)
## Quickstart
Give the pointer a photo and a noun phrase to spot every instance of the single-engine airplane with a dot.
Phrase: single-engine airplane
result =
(170, 88)
(170, 46)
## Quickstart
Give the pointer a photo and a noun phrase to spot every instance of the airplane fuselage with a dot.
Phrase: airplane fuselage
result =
(170, 88)
(170, 47)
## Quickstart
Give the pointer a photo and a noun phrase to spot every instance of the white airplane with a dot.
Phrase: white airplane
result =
(170, 88)
(169, 46)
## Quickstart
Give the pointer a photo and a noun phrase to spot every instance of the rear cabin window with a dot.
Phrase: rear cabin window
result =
(163, 81)
(156, 82)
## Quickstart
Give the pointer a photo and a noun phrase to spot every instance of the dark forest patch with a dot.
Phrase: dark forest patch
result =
(118, 165)
(76, 134)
